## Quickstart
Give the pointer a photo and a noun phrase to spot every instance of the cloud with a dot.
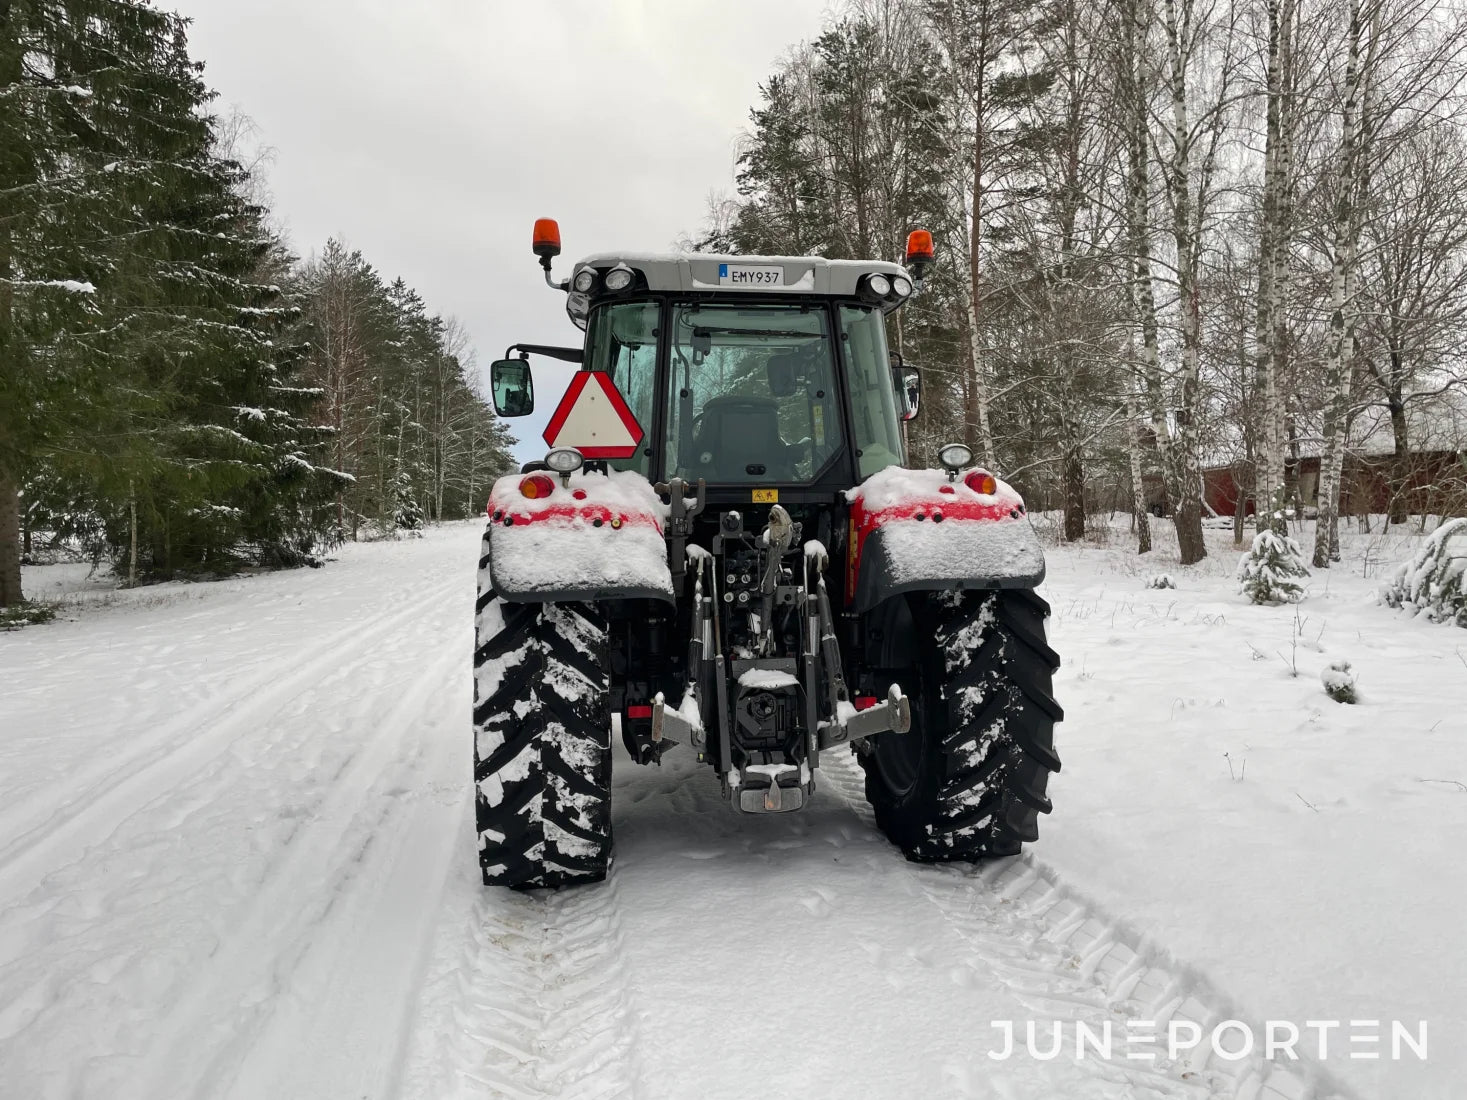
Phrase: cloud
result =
(431, 134)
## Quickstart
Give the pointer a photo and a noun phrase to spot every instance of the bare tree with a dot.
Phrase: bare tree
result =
(1194, 40)
(1273, 251)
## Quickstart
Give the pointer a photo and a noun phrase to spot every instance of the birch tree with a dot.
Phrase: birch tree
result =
(1338, 377)
(1194, 39)
(1273, 252)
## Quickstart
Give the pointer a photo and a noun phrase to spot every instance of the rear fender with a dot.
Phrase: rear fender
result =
(914, 531)
(599, 537)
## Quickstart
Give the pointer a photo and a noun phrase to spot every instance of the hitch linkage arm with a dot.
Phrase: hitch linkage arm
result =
(675, 726)
(849, 724)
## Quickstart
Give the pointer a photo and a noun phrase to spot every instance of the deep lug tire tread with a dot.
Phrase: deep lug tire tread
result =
(986, 712)
(542, 744)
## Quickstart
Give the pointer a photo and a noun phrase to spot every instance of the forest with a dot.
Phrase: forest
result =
(1177, 239)
(180, 393)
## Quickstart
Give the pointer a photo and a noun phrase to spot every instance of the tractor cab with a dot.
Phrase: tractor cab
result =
(736, 371)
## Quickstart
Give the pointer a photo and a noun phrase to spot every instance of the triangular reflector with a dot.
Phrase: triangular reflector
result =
(594, 418)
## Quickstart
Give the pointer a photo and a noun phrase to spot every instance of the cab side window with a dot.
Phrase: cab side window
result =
(873, 398)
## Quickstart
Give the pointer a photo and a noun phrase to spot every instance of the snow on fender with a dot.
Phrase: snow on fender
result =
(599, 537)
(914, 530)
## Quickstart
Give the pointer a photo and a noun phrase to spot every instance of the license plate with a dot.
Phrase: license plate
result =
(747, 275)
(766, 496)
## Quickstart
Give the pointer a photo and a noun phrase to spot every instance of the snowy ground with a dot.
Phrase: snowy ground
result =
(1302, 857)
(236, 859)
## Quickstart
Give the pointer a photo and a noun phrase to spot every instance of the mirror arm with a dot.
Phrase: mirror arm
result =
(565, 355)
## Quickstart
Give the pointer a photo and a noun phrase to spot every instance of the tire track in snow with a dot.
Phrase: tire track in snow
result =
(533, 1003)
(343, 1027)
(214, 1023)
(36, 811)
(1062, 959)
(119, 788)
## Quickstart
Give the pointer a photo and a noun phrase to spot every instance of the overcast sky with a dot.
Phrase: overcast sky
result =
(430, 134)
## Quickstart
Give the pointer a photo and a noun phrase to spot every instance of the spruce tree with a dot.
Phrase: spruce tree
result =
(1272, 571)
(74, 82)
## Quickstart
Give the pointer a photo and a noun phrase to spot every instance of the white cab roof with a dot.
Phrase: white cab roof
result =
(695, 271)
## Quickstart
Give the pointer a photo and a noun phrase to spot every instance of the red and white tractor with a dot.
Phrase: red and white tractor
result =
(724, 555)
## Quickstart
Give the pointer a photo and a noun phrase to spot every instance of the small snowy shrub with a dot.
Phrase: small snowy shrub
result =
(1161, 580)
(1271, 571)
(26, 614)
(1339, 682)
(1434, 582)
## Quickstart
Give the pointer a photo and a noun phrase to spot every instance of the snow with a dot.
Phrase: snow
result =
(1323, 882)
(559, 554)
(962, 548)
(1339, 682)
(70, 286)
(896, 486)
(1434, 581)
(237, 860)
(767, 679)
(957, 548)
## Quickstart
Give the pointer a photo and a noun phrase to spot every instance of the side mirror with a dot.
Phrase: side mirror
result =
(908, 385)
(512, 387)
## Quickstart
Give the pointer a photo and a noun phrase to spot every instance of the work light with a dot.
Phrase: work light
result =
(954, 457)
(619, 277)
(565, 460)
(878, 286)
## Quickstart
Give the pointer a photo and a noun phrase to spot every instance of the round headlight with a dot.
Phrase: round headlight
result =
(879, 285)
(565, 460)
(955, 456)
(902, 286)
(585, 279)
(619, 278)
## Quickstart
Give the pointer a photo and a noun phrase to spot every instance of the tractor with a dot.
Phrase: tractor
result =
(723, 554)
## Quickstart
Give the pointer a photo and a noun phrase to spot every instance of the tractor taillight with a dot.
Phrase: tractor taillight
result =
(865, 702)
(981, 481)
(537, 486)
(639, 710)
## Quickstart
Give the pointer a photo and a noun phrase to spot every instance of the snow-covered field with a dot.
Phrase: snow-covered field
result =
(236, 859)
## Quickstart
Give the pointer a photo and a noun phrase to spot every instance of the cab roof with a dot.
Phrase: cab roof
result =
(702, 271)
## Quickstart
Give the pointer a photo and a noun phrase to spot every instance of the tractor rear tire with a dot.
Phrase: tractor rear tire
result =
(542, 743)
(968, 781)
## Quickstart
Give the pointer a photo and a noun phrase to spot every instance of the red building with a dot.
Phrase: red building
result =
(1432, 479)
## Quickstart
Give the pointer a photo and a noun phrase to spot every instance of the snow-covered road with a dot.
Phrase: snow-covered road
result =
(236, 859)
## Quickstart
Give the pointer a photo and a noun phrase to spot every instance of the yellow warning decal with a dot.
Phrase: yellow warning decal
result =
(766, 496)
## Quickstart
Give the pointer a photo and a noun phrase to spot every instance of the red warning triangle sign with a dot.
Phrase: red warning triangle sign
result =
(594, 418)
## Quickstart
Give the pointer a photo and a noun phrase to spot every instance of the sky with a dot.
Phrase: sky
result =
(431, 134)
